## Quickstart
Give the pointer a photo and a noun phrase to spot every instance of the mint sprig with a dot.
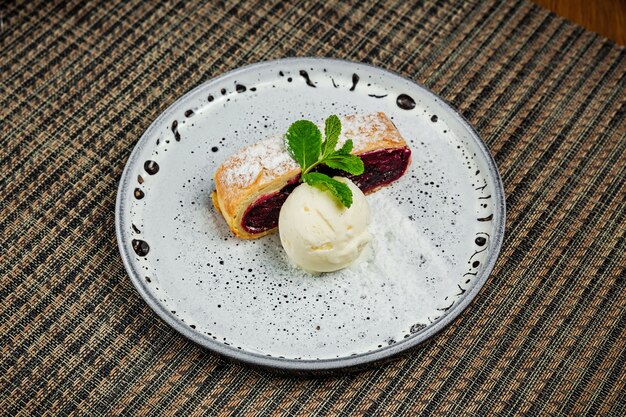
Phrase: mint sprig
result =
(304, 143)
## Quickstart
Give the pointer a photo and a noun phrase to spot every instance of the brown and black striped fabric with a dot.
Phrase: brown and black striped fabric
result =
(82, 80)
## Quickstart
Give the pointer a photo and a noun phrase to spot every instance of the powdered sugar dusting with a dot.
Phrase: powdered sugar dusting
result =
(366, 129)
(268, 155)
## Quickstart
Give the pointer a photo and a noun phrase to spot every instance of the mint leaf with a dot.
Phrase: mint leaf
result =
(342, 159)
(346, 148)
(322, 181)
(332, 130)
(304, 143)
(351, 164)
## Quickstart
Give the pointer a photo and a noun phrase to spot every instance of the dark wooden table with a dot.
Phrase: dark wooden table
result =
(606, 17)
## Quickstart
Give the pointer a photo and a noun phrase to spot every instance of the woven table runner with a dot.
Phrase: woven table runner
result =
(81, 81)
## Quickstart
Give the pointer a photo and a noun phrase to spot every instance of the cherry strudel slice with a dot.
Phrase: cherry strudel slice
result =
(252, 185)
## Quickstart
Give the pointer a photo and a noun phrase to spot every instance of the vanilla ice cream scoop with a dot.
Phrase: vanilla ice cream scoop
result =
(318, 233)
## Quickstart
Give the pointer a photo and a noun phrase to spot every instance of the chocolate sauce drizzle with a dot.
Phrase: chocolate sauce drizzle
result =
(151, 167)
(175, 129)
(355, 81)
(417, 327)
(481, 240)
(446, 308)
(140, 247)
(405, 102)
(135, 229)
(377, 96)
(482, 187)
(477, 252)
(485, 219)
(334, 84)
(462, 290)
(139, 179)
(305, 75)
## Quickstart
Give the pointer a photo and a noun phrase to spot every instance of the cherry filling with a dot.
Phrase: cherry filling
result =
(382, 167)
(262, 215)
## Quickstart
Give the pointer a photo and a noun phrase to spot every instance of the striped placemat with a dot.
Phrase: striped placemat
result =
(82, 80)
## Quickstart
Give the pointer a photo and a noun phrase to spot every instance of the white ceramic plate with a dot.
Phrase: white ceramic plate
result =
(437, 230)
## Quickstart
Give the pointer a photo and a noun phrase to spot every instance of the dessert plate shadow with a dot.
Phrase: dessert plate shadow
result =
(437, 230)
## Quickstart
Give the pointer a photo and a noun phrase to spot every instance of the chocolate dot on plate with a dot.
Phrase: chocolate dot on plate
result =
(480, 241)
(151, 167)
(175, 129)
(214, 149)
(139, 194)
(434, 118)
(405, 102)
(355, 80)
(140, 247)
(475, 264)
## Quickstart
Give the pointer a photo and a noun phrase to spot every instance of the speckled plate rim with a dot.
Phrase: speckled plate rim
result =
(321, 366)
